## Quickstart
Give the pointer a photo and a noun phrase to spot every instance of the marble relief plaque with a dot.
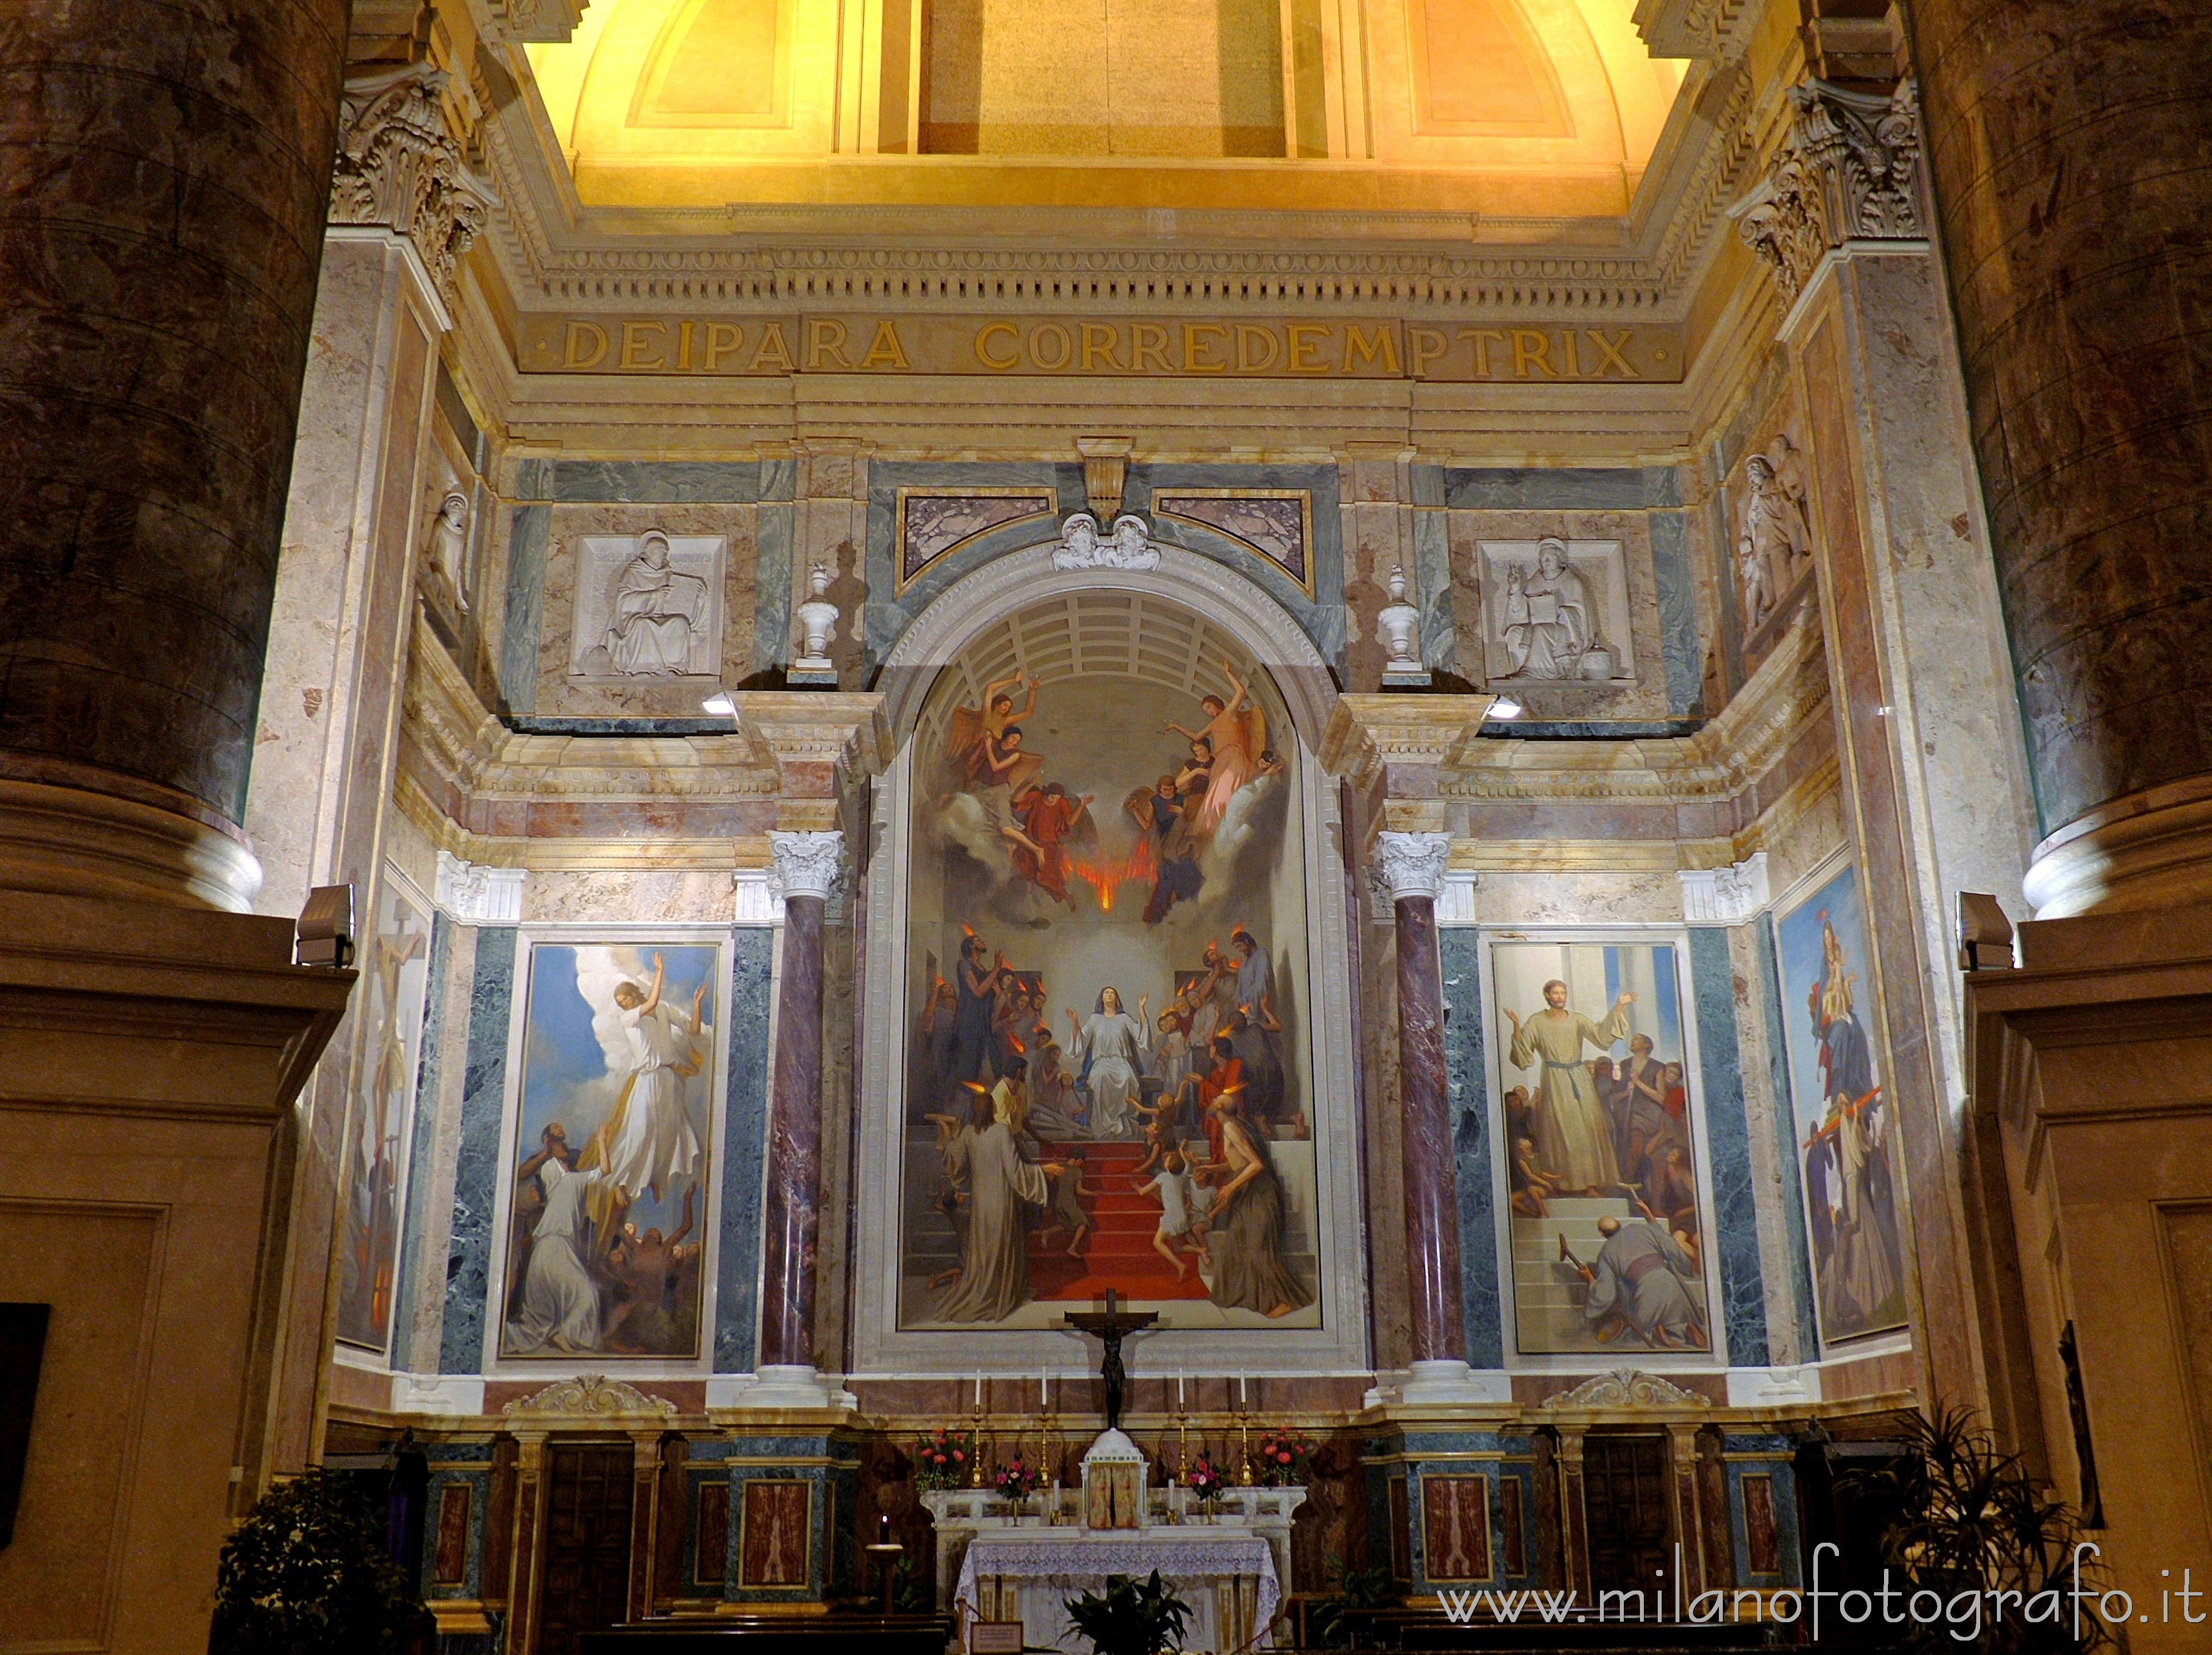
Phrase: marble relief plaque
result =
(1556, 612)
(648, 606)
(1276, 524)
(934, 526)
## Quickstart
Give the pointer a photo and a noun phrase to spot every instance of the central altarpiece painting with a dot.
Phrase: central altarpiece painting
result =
(1107, 1078)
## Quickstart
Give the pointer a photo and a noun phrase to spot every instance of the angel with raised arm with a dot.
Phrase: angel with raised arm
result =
(1236, 735)
(648, 1143)
(978, 734)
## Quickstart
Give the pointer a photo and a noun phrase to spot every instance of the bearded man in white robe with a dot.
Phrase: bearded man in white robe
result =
(1574, 1138)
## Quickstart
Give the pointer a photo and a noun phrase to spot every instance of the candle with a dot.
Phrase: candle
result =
(1043, 1399)
(979, 1391)
(1243, 1394)
(1178, 1390)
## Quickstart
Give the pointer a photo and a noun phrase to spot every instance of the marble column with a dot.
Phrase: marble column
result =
(2066, 143)
(806, 865)
(1411, 866)
(166, 164)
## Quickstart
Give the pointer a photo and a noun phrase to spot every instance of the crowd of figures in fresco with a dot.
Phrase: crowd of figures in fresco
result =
(1054, 1106)
(1603, 1206)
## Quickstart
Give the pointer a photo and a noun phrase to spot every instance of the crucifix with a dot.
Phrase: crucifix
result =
(1110, 1329)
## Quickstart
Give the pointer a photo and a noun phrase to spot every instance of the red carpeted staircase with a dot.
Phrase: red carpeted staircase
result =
(1118, 1252)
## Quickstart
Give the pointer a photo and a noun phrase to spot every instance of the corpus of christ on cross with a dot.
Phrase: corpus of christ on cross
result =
(1110, 1329)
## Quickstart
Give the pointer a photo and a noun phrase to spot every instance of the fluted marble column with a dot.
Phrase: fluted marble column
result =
(806, 865)
(1412, 866)
(166, 165)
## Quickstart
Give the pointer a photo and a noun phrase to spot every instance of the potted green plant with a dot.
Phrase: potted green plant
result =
(311, 1571)
(1132, 1617)
(1966, 1520)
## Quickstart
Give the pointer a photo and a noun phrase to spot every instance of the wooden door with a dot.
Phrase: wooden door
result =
(1625, 1509)
(586, 1582)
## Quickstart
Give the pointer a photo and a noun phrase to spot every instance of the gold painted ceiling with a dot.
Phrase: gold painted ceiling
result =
(1513, 108)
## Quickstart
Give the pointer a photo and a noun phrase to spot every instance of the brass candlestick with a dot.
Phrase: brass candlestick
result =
(976, 1450)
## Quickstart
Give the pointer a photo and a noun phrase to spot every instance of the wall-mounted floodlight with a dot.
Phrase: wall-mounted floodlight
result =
(326, 933)
(720, 705)
(1504, 706)
(1985, 934)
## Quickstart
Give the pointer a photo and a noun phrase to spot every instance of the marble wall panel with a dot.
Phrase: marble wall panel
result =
(745, 1137)
(1588, 897)
(773, 586)
(558, 693)
(1461, 954)
(1319, 615)
(476, 1161)
(528, 537)
(1728, 1148)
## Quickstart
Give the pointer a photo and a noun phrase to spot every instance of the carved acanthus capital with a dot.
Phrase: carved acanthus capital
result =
(1411, 864)
(399, 168)
(807, 864)
(1848, 171)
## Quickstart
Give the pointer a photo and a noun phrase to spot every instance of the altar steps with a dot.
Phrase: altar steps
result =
(1118, 1252)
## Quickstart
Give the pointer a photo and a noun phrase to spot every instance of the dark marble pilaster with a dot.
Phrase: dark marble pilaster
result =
(1439, 1324)
(469, 1286)
(1459, 952)
(744, 1141)
(807, 863)
(1728, 1145)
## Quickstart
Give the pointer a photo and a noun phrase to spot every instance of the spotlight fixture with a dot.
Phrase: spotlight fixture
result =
(1502, 708)
(720, 705)
(325, 933)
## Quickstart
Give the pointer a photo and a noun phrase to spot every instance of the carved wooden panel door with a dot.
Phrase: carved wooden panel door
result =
(1625, 1506)
(587, 1533)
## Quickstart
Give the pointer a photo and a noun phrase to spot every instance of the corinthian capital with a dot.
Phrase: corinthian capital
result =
(1412, 864)
(1849, 170)
(399, 169)
(807, 864)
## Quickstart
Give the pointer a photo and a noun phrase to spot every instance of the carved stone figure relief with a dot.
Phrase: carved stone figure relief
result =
(1773, 544)
(1130, 547)
(1557, 611)
(446, 558)
(647, 606)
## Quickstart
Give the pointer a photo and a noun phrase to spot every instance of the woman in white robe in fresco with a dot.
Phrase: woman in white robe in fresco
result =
(1112, 1048)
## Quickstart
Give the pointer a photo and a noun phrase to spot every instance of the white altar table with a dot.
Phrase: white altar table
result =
(1232, 1570)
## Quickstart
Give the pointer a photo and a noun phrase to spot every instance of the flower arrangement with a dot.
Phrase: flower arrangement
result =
(1282, 1456)
(1205, 1481)
(941, 1459)
(1019, 1479)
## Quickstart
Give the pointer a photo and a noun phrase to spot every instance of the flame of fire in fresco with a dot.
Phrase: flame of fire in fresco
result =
(1106, 878)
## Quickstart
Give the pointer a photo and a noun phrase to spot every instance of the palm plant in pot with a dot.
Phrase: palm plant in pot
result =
(1131, 1617)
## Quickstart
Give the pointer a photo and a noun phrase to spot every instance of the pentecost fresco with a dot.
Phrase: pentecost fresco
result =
(1609, 1229)
(1108, 1073)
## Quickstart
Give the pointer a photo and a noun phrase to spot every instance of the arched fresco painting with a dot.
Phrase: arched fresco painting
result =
(1108, 1077)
